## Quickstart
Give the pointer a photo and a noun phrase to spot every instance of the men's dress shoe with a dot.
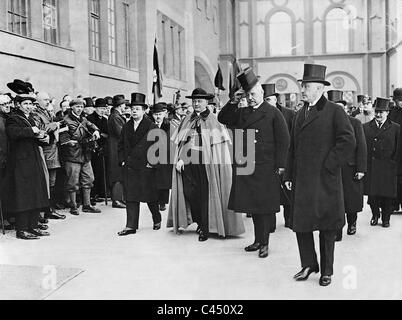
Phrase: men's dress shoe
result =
(74, 211)
(126, 232)
(157, 226)
(253, 247)
(24, 235)
(385, 224)
(198, 230)
(60, 206)
(118, 205)
(90, 209)
(203, 236)
(39, 233)
(54, 216)
(374, 221)
(305, 273)
(325, 281)
(263, 251)
(351, 229)
(8, 227)
(162, 207)
(42, 226)
(43, 220)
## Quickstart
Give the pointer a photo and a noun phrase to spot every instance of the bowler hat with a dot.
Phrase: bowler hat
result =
(109, 100)
(20, 87)
(247, 79)
(200, 93)
(159, 107)
(88, 102)
(381, 104)
(397, 95)
(118, 100)
(269, 90)
(138, 99)
(100, 103)
(336, 96)
(314, 73)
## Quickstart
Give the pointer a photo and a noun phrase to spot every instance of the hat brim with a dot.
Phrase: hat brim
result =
(274, 94)
(342, 101)
(138, 104)
(20, 98)
(324, 82)
(206, 97)
(18, 88)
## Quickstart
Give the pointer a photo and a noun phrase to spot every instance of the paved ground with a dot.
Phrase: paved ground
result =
(161, 265)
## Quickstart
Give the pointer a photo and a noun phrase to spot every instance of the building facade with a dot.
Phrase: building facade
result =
(105, 47)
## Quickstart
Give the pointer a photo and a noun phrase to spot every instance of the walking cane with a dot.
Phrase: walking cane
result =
(104, 177)
(2, 220)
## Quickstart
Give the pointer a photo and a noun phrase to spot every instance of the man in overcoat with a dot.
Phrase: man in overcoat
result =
(383, 160)
(140, 183)
(258, 192)
(271, 97)
(353, 171)
(27, 192)
(322, 139)
(115, 124)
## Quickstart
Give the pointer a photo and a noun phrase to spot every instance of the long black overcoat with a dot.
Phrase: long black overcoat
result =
(258, 192)
(115, 124)
(320, 145)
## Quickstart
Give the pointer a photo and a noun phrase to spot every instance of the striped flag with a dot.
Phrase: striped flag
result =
(157, 77)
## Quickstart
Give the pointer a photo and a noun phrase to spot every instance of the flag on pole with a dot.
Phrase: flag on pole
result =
(234, 84)
(157, 76)
(219, 79)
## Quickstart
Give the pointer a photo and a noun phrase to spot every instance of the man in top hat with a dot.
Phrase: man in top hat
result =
(367, 113)
(257, 192)
(27, 191)
(271, 97)
(179, 112)
(395, 115)
(353, 171)
(383, 161)
(203, 174)
(115, 124)
(164, 171)
(89, 107)
(109, 104)
(358, 109)
(98, 160)
(321, 141)
(140, 180)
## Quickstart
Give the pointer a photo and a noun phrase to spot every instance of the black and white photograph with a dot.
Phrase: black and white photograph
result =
(201, 151)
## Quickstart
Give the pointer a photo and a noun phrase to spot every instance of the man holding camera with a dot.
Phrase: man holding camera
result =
(76, 155)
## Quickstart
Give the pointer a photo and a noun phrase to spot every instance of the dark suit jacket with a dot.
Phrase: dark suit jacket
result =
(115, 124)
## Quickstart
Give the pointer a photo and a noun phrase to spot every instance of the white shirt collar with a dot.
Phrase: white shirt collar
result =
(315, 102)
(257, 106)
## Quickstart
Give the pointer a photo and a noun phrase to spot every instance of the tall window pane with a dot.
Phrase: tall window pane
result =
(280, 34)
(126, 8)
(111, 19)
(18, 17)
(50, 21)
(337, 31)
(94, 26)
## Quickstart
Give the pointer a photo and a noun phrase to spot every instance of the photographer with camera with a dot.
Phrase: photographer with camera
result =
(76, 156)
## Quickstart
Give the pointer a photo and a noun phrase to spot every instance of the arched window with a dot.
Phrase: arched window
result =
(280, 34)
(337, 31)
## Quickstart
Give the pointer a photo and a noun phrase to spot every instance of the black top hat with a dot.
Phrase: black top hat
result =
(159, 107)
(247, 79)
(138, 99)
(100, 103)
(397, 95)
(118, 100)
(381, 104)
(336, 96)
(200, 93)
(20, 87)
(89, 102)
(109, 100)
(269, 90)
(314, 73)
(360, 98)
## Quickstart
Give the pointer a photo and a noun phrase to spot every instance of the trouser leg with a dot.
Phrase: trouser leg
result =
(133, 214)
(351, 217)
(33, 219)
(22, 221)
(386, 209)
(156, 215)
(163, 196)
(308, 256)
(258, 228)
(374, 203)
(327, 246)
(117, 191)
(86, 194)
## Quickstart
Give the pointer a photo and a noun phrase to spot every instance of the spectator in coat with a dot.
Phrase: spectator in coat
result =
(383, 159)
(45, 121)
(115, 124)
(139, 175)
(76, 155)
(271, 97)
(257, 192)
(27, 192)
(98, 159)
(321, 141)
(367, 113)
(353, 171)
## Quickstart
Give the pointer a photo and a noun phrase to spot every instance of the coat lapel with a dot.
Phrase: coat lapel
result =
(315, 112)
(142, 129)
(256, 115)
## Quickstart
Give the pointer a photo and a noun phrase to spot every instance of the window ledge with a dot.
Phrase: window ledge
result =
(106, 70)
